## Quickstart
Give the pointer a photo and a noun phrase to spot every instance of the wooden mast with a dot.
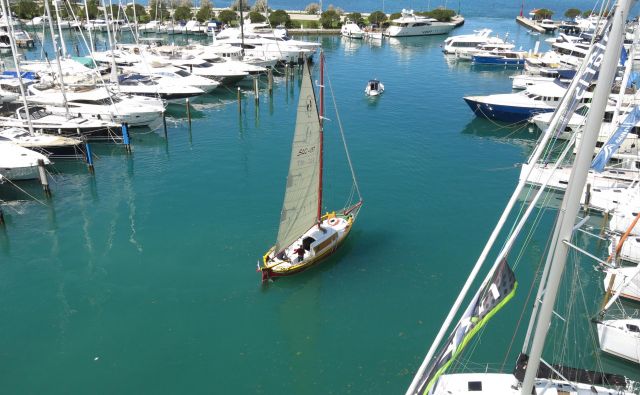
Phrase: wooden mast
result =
(321, 135)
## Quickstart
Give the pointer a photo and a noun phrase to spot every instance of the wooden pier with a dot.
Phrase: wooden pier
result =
(529, 24)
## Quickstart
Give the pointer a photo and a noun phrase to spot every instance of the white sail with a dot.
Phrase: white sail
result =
(300, 207)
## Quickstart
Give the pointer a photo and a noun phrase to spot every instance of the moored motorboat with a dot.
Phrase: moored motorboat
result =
(374, 88)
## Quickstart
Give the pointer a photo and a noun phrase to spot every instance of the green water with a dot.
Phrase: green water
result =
(141, 279)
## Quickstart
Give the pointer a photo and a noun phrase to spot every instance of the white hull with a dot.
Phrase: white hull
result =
(17, 163)
(507, 384)
(434, 29)
(622, 274)
(620, 338)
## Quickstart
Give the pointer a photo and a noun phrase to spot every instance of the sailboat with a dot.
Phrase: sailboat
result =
(306, 236)
(532, 375)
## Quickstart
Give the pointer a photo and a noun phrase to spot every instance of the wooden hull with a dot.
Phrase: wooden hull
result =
(269, 271)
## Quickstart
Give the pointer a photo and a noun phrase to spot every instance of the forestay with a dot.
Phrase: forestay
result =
(300, 207)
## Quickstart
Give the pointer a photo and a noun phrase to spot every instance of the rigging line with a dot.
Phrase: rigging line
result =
(344, 141)
(25, 192)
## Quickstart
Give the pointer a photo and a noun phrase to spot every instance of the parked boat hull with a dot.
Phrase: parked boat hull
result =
(503, 113)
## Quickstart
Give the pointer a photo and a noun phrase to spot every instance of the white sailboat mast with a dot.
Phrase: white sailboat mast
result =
(55, 49)
(14, 52)
(571, 202)
(321, 117)
(63, 46)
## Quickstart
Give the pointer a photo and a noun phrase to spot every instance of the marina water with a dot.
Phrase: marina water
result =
(141, 279)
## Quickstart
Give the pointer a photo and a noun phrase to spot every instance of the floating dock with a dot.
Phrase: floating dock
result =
(529, 24)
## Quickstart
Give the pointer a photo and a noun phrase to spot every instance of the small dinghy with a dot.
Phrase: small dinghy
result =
(374, 88)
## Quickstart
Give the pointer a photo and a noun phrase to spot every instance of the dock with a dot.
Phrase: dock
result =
(529, 24)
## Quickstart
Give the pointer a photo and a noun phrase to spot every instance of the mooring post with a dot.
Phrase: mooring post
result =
(239, 101)
(43, 178)
(164, 124)
(1, 217)
(89, 157)
(286, 74)
(587, 197)
(270, 80)
(256, 89)
(125, 137)
(188, 112)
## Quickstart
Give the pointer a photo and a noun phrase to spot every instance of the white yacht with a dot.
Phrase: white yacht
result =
(455, 44)
(155, 86)
(52, 146)
(17, 163)
(410, 24)
(351, 29)
(98, 103)
(220, 72)
(620, 338)
(179, 76)
(255, 45)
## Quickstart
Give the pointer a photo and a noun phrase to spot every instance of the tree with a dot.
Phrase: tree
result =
(227, 16)
(185, 3)
(543, 13)
(65, 11)
(256, 17)
(27, 9)
(441, 14)
(236, 5)
(205, 12)
(356, 17)
(312, 8)
(395, 15)
(141, 12)
(158, 10)
(571, 13)
(182, 13)
(280, 17)
(587, 13)
(377, 17)
(92, 9)
(329, 19)
(259, 6)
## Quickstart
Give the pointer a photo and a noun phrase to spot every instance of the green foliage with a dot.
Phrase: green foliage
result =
(204, 13)
(141, 12)
(571, 13)
(377, 17)
(312, 8)
(26, 9)
(305, 24)
(395, 15)
(259, 6)
(92, 9)
(65, 11)
(356, 17)
(236, 5)
(330, 19)
(256, 17)
(586, 14)
(543, 13)
(280, 17)
(182, 13)
(227, 16)
(115, 12)
(161, 8)
(441, 14)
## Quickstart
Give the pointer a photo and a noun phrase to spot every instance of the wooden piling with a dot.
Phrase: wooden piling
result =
(188, 112)
(270, 81)
(43, 178)
(256, 89)
(239, 101)
(164, 124)
(1, 217)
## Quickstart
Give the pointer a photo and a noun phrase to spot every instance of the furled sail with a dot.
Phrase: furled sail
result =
(491, 298)
(300, 207)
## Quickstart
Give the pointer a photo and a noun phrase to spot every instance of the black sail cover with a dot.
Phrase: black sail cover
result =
(488, 301)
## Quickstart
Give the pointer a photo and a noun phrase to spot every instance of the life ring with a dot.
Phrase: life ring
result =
(333, 221)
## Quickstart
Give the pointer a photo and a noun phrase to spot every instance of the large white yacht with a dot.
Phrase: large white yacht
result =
(98, 103)
(351, 29)
(410, 24)
(454, 44)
